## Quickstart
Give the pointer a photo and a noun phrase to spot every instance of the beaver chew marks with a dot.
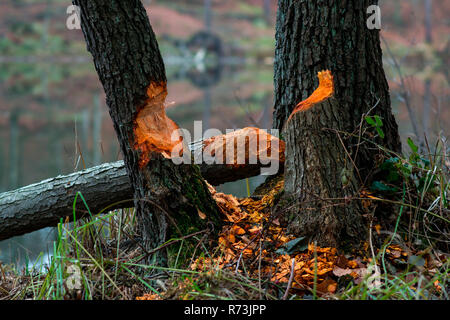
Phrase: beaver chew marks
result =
(152, 128)
(245, 144)
(324, 91)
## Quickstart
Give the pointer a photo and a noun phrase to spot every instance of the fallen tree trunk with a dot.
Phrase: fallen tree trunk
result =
(43, 204)
(104, 188)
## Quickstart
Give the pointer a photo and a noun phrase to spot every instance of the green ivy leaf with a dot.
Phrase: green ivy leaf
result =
(406, 169)
(413, 147)
(390, 170)
(370, 121)
(380, 186)
(380, 132)
(378, 121)
(388, 164)
(297, 245)
(426, 162)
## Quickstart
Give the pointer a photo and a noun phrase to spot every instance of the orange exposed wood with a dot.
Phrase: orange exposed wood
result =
(152, 128)
(245, 144)
(324, 91)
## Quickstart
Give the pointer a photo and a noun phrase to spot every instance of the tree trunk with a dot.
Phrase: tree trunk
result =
(167, 197)
(324, 168)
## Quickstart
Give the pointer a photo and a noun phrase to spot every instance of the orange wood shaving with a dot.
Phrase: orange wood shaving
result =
(240, 142)
(324, 91)
(152, 128)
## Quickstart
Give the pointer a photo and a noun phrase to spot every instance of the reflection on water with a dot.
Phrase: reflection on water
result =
(32, 250)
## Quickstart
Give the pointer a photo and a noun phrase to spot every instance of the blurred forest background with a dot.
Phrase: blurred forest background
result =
(219, 63)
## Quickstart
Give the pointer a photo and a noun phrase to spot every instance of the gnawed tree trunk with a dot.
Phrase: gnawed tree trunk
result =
(168, 198)
(320, 177)
(321, 158)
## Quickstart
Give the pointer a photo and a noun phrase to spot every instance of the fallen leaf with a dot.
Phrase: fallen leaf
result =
(327, 286)
(377, 228)
(231, 238)
(332, 287)
(339, 272)
(149, 296)
(341, 261)
(437, 286)
(237, 230)
(355, 273)
(255, 229)
(201, 214)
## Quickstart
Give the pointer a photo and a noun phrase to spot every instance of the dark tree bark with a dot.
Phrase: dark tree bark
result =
(129, 64)
(312, 36)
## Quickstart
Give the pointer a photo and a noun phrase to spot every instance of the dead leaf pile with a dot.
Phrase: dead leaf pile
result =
(249, 241)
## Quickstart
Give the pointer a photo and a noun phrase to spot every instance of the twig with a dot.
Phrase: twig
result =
(2, 271)
(346, 152)
(81, 154)
(243, 249)
(291, 277)
(195, 249)
(360, 126)
(376, 276)
(259, 269)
